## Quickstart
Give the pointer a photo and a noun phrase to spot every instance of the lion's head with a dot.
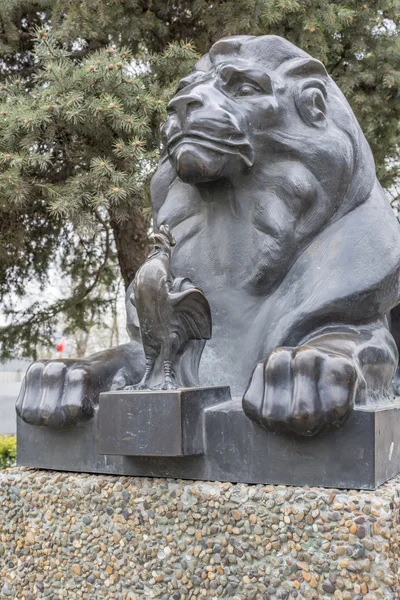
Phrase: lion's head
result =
(251, 99)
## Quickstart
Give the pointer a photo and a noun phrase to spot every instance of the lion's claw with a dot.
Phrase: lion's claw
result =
(301, 390)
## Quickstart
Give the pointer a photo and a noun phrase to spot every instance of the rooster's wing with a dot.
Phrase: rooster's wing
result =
(190, 313)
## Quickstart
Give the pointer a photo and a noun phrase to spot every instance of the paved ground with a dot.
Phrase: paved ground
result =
(8, 397)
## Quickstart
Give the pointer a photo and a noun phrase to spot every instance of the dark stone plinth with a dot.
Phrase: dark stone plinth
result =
(156, 423)
(361, 454)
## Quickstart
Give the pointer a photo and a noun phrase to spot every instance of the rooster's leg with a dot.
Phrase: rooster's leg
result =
(149, 369)
(144, 383)
(169, 376)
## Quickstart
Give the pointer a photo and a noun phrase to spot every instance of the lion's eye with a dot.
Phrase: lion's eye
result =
(247, 89)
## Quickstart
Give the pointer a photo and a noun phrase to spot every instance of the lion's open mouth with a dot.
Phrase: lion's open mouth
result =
(235, 144)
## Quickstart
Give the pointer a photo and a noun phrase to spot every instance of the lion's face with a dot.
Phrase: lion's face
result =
(215, 119)
(253, 101)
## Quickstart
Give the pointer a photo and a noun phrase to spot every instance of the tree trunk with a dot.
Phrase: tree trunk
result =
(132, 245)
(81, 342)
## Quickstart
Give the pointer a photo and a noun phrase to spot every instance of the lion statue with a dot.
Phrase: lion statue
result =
(269, 188)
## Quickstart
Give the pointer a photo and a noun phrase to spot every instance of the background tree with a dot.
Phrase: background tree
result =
(83, 92)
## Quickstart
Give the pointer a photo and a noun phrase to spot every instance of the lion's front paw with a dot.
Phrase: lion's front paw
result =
(301, 390)
(57, 393)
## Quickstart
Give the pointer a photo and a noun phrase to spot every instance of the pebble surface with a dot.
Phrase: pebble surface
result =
(66, 536)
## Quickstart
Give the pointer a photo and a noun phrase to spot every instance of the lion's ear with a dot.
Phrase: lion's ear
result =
(310, 100)
(310, 91)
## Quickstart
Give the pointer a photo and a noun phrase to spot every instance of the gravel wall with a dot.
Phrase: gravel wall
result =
(66, 535)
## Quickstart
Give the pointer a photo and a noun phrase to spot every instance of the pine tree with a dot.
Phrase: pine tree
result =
(79, 139)
(83, 91)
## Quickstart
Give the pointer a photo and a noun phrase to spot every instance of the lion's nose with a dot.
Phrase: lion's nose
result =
(183, 105)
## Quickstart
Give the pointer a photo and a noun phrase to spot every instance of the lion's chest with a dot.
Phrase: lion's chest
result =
(217, 255)
(232, 258)
(217, 249)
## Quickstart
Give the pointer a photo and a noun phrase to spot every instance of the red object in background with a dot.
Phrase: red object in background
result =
(61, 344)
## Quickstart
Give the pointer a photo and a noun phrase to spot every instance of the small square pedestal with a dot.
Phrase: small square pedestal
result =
(156, 422)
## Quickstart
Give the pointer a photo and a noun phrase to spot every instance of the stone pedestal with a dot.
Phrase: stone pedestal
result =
(156, 423)
(203, 434)
(65, 535)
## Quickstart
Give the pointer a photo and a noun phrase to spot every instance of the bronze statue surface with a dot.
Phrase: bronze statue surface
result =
(269, 189)
(173, 316)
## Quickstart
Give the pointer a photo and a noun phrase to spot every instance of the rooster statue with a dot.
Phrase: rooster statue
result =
(174, 318)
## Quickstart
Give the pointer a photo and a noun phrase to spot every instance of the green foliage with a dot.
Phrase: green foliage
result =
(83, 93)
(8, 451)
(77, 148)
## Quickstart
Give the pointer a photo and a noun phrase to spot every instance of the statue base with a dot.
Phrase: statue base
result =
(201, 434)
(156, 422)
(172, 539)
